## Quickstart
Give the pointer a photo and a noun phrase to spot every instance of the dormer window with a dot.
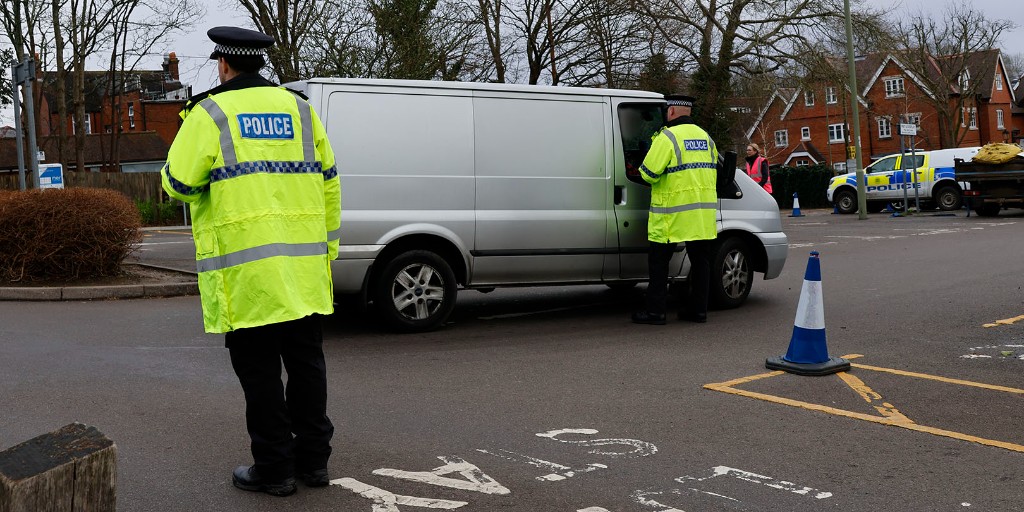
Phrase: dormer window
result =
(965, 80)
(808, 98)
(894, 87)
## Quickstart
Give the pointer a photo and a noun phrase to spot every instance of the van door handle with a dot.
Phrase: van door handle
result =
(620, 195)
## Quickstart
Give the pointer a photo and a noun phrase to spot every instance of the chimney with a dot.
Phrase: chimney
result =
(171, 66)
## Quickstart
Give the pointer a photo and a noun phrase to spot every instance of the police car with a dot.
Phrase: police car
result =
(888, 177)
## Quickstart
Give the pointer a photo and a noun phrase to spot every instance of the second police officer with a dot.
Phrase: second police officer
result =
(681, 167)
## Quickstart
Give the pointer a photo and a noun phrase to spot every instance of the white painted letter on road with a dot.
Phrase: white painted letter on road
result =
(475, 480)
(384, 501)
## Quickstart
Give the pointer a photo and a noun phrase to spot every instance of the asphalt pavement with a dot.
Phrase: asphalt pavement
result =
(549, 399)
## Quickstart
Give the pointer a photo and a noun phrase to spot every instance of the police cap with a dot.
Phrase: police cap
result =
(679, 100)
(238, 41)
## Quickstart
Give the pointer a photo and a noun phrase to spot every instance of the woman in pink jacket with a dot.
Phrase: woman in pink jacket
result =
(757, 167)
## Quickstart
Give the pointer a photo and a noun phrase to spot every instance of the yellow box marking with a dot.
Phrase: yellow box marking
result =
(1006, 321)
(889, 414)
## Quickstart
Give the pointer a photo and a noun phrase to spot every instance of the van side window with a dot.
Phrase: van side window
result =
(638, 123)
(913, 162)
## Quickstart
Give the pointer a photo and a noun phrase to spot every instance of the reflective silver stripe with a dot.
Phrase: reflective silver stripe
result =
(672, 137)
(334, 235)
(306, 121)
(227, 145)
(259, 253)
(684, 208)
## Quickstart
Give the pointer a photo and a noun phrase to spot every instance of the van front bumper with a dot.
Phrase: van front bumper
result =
(776, 247)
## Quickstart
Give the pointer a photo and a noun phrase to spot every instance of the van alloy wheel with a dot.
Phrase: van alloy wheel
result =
(731, 274)
(416, 291)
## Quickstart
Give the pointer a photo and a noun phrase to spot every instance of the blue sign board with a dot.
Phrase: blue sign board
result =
(51, 176)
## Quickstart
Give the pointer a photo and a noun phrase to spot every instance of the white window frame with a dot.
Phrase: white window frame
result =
(915, 118)
(894, 87)
(88, 123)
(830, 96)
(974, 118)
(884, 127)
(1000, 119)
(808, 98)
(805, 133)
(840, 167)
(781, 138)
(965, 80)
(837, 133)
(131, 116)
(999, 81)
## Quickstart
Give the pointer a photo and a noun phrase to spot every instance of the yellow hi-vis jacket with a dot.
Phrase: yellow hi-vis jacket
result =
(681, 170)
(259, 174)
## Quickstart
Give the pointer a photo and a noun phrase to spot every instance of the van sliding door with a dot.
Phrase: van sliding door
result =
(541, 188)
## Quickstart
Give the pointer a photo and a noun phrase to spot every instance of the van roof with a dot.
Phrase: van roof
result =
(436, 84)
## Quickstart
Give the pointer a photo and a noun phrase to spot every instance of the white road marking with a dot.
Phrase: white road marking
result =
(384, 501)
(476, 480)
(639, 448)
(558, 471)
(593, 509)
(747, 476)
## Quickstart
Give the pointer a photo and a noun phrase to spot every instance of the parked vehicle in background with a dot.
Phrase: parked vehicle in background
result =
(930, 172)
(466, 185)
(992, 186)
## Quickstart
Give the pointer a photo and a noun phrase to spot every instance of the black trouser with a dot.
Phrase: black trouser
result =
(657, 268)
(274, 413)
(698, 251)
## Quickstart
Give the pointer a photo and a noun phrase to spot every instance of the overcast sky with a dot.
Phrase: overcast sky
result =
(193, 48)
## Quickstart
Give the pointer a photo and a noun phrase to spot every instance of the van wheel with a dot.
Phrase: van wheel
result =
(415, 292)
(948, 198)
(846, 201)
(731, 275)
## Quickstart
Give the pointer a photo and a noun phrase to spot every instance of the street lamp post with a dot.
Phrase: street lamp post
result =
(854, 97)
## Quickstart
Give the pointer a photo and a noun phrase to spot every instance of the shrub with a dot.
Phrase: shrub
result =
(160, 214)
(65, 234)
(809, 182)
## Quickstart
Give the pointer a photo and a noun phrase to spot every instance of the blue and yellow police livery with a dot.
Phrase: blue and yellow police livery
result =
(927, 174)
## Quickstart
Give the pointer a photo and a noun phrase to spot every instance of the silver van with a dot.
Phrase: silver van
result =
(449, 186)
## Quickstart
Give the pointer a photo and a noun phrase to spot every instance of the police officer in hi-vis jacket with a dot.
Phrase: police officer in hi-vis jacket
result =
(254, 162)
(681, 168)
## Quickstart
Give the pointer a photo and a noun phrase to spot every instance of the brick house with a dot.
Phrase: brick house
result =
(809, 125)
(150, 101)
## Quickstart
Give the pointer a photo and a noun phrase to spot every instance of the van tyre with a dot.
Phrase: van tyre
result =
(415, 292)
(845, 201)
(948, 198)
(731, 274)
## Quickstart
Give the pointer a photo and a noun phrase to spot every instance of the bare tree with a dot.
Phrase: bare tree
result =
(720, 38)
(1014, 66)
(292, 24)
(946, 56)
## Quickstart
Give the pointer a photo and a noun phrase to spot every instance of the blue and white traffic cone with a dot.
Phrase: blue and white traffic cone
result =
(796, 206)
(808, 353)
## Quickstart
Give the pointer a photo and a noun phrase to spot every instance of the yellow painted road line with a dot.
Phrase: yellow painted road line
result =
(941, 379)
(870, 396)
(1007, 321)
(890, 416)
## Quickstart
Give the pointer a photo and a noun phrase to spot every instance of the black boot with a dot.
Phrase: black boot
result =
(646, 317)
(246, 478)
(315, 478)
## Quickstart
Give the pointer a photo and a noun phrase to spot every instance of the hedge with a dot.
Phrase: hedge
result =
(809, 182)
(65, 234)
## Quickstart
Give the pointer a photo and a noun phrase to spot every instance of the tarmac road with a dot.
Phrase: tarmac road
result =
(548, 399)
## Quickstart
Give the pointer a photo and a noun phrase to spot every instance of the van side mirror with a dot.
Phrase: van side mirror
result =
(726, 184)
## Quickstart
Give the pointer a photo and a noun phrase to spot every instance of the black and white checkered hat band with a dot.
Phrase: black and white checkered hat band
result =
(679, 103)
(237, 50)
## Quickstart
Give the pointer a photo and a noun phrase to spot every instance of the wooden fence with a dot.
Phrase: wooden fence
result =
(142, 186)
